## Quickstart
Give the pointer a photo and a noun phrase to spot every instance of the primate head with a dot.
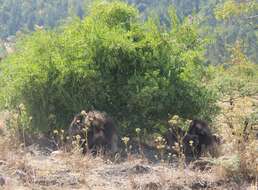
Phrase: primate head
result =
(97, 128)
(94, 118)
(201, 128)
(95, 123)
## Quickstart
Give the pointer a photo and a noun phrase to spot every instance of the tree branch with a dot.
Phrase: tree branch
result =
(251, 17)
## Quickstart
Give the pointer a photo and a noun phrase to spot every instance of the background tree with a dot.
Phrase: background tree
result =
(224, 22)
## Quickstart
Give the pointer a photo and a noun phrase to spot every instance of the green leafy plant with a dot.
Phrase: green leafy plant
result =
(109, 61)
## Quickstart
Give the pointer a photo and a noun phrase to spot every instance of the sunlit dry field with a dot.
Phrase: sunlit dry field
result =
(37, 167)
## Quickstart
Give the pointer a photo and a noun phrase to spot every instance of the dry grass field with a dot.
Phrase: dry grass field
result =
(37, 167)
(30, 168)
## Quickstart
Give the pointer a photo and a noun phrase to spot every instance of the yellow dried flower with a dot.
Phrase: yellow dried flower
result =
(125, 140)
(175, 117)
(161, 146)
(138, 130)
(22, 107)
(159, 138)
(78, 137)
(83, 112)
(174, 120)
(188, 121)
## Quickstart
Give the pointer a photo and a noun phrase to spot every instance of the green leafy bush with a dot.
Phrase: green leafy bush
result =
(110, 61)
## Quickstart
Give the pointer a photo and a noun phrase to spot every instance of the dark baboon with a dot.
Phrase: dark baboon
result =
(96, 130)
(195, 141)
(205, 137)
(201, 128)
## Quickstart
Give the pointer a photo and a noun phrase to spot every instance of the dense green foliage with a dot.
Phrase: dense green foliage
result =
(110, 61)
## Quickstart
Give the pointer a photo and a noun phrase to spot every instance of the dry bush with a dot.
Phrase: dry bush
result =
(238, 129)
(248, 159)
(17, 124)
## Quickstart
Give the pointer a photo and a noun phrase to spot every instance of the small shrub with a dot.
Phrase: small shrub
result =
(19, 126)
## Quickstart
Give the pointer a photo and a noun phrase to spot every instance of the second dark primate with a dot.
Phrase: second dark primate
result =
(195, 141)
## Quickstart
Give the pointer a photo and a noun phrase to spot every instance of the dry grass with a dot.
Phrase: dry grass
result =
(239, 138)
(23, 168)
(31, 169)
